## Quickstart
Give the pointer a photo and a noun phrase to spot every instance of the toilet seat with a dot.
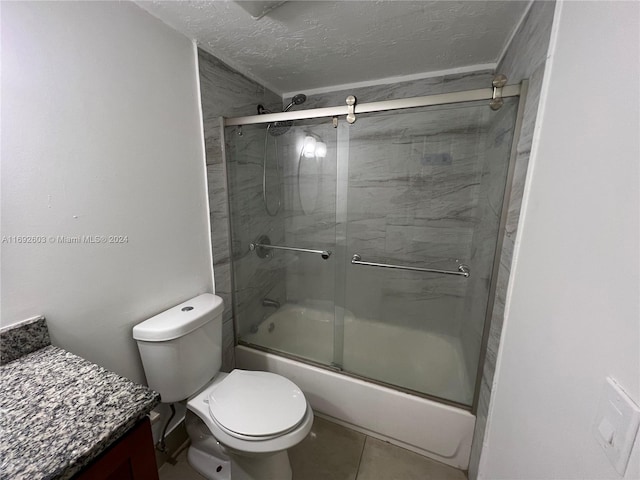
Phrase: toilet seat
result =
(256, 405)
(248, 444)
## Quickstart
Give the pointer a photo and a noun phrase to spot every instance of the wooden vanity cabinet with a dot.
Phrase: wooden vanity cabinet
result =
(132, 457)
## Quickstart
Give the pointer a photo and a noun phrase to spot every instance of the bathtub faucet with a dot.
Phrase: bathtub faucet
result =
(267, 302)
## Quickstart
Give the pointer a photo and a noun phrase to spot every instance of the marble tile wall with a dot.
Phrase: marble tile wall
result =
(414, 179)
(454, 82)
(224, 92)
(524, 58)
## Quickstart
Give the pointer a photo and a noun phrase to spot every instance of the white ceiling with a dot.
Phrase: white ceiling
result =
(303, 45)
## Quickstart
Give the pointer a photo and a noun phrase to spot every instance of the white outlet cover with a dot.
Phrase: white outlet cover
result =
(616, 424)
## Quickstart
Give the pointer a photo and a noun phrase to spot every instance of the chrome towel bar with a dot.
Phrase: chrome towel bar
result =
(261, 250)
(463, 270)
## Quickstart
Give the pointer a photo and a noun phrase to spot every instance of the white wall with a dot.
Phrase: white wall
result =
(101, 135)
(573, 311)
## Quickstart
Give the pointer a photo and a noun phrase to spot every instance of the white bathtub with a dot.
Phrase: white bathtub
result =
(436, 430)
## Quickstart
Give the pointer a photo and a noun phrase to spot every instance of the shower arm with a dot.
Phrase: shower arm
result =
(463, 270)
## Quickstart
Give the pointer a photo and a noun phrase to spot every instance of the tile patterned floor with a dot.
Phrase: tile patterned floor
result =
(332, 452)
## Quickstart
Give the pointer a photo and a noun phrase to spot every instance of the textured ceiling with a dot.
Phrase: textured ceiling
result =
(304, 45)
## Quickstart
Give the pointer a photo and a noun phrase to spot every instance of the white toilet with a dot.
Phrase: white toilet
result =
(241, 423)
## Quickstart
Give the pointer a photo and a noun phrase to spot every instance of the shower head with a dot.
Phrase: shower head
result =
(279, 128)
(298, 99)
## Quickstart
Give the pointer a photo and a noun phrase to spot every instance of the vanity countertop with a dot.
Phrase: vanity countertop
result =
(58, 412)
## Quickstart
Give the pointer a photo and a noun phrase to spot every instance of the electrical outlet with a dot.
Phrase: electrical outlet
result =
(616, 424)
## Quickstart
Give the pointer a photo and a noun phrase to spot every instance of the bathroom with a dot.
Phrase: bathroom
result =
(112, 128)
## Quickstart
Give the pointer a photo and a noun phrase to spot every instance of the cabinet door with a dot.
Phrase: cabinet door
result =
(130, 458)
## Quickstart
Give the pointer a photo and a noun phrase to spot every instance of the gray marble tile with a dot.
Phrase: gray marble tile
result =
(228, 343)
(528, 49)
(220, 246)
(481, 424)
(415, 242)
(232, 94)
(216, 182)
(224, 288)
(524, 150)
(413, 88)
(225, 92)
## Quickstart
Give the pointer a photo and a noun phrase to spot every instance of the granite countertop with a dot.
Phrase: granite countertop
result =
(58, 412)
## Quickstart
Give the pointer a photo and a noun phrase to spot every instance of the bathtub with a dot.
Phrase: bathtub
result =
(430, 428)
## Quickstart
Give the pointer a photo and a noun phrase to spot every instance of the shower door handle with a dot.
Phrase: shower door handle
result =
(263, 244)
(463, 270)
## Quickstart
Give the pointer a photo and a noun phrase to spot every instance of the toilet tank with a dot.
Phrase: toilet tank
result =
(181, 348)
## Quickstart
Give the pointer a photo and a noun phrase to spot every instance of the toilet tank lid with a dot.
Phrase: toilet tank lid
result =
(179, 320)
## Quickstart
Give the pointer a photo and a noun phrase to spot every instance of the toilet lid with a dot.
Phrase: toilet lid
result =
(257, 403)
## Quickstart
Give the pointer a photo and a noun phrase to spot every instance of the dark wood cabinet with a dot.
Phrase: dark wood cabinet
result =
(130, 458)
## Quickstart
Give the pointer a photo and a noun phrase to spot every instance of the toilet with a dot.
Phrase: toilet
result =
(240, 424)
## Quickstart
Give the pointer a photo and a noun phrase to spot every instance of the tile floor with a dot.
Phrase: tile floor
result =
(332, 452)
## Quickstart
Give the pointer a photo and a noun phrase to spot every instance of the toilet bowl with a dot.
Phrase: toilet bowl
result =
(240, 424)
(252, 419)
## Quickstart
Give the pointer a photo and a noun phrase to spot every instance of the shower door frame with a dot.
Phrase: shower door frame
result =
(384, 106)
(516, 90)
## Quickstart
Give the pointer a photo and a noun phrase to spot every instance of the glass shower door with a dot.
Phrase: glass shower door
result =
(424, 190)
(282, 192)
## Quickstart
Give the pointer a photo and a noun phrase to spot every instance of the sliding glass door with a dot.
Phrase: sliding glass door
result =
(425, 189)
(369, 247)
